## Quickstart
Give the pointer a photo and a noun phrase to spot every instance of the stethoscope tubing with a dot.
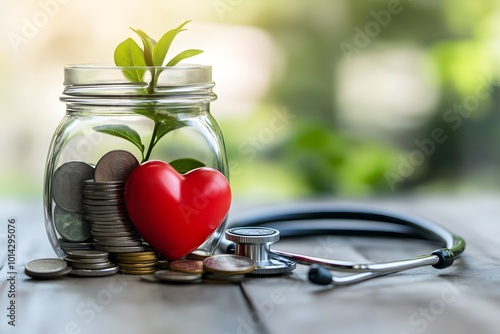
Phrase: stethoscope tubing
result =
(359, 222)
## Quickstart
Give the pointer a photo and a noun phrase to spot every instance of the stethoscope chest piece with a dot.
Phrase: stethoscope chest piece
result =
(255, 243)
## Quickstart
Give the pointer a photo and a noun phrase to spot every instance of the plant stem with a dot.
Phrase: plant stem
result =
(152, 142)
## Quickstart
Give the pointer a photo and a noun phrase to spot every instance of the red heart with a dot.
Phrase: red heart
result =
(176, 213)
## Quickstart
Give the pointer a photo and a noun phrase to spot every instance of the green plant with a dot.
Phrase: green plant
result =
(136, 62)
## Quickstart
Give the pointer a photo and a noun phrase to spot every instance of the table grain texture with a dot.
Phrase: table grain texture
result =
(464, 298)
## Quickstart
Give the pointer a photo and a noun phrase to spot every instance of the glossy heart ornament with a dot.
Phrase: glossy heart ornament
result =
(175, 213)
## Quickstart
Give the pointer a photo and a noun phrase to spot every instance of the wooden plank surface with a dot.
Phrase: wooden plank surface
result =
(462, 299)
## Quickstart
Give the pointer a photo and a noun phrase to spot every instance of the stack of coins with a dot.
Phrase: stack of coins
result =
(110, 225)
(137, 263)
(90, 263)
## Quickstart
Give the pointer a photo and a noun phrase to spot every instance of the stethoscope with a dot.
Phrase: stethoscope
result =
(253, 235)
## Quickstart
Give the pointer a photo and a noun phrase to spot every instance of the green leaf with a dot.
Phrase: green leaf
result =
(128, 53)
(183, 55)
(167, 124)
(148, 43)
(185, 165)
(161, 48)
(124, 132)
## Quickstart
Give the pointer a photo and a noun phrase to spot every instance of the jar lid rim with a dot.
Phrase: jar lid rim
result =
(178, 67)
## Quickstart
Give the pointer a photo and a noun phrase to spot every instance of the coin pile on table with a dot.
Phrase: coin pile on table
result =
(90, 263)
(223, 268)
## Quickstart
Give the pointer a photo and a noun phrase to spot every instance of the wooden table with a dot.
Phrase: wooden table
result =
(462, 299)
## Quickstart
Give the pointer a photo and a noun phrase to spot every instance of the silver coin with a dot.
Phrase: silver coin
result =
(86, 254)
(71, 226)
(93, 202)
(67, 249)
(101, 196)
(105, 208)
(107, 226)
(115, 233)
(104, 219)
(69, 246)
(71, 260)
(46, 268)
(67, 184)
(115, 166)
(94, 272)
(177, 276)
(115, 249)
(104, 184)
(102, 265)
(108, 214)
(117, 243)
(107, 222)
(118, 239)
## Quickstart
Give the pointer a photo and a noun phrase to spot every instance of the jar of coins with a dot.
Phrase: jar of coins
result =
(113, 124)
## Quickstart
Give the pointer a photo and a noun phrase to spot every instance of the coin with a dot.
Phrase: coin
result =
(71, 226)
(72, 260)
(137, 271)
(177, 276)
(199, 254)
(92, 202)
(115, 166)
(137, 260)
(187, 266)
(114, 233)
(228, 264)
(67, 184)
(94, 272)
(46, 268)
(134, 254)
(103, 265)
(88, 254)
(104, 184)
(146, 265)
(120, 249)
(119, 243)
(68, 246)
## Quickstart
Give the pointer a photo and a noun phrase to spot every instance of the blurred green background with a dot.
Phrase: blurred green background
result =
(316, 98)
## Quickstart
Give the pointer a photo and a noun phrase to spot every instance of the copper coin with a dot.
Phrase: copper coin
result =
(187, 266)
(115, 166)
(228, 264)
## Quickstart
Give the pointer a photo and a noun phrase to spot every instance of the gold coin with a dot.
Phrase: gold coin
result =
(136, 265)
(135, 254)
(228, 264)
(137, 259)
(187, 266)
(137, 271)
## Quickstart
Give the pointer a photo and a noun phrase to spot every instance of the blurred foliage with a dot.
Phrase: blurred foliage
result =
(319, 155)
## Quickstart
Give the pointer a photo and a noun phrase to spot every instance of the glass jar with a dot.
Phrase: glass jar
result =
(172, 102)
